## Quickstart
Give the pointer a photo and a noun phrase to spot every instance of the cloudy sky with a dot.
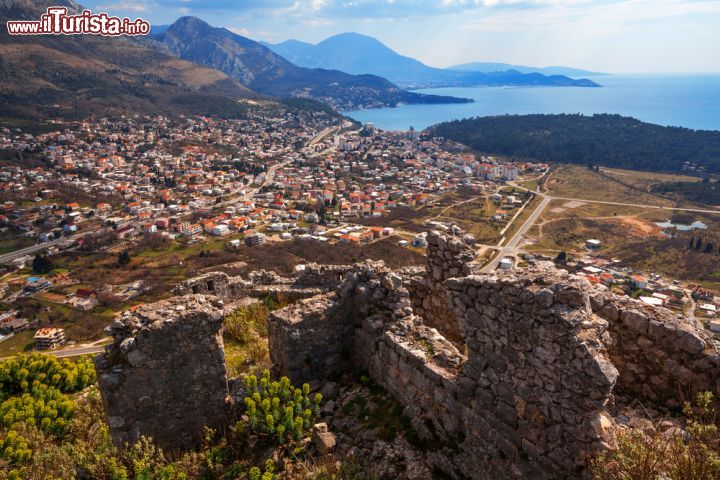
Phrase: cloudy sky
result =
(617, 36)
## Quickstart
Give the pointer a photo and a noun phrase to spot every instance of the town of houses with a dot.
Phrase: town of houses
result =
(273, 176)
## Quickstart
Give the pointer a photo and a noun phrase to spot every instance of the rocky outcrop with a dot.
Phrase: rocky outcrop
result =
(164, 374)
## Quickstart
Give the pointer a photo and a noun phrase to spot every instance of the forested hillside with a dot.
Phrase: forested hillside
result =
(607, 140)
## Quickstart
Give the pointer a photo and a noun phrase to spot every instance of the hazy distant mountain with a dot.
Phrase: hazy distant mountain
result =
(262, 70)
(497, 67)
(76, 76)
(358, 54)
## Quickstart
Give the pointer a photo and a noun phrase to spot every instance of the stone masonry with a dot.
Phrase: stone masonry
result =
(164, 375)
(535, 394)
(515, 374)
(448, 256)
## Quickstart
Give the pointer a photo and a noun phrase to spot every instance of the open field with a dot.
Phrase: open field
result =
(572, 181)
(19, 343)
(649, 177)
(474, 217)
(631, 235)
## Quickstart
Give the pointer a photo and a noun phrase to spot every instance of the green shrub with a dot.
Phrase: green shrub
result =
(650, 456)
(246, 323)
(35, 396)
(277, 409)
(24, 373)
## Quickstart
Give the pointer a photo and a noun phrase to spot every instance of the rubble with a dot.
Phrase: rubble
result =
(164, 375)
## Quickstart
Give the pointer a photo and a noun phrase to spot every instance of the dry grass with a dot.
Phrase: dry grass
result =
(246, 344)
(572, 181)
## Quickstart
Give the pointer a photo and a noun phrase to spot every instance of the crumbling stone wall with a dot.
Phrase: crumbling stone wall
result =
(320, 355)
(538, 379)
(322, 276)
(662, 357)
(261, 283)
(164, 374)
(449, 255)
(213, 283)
(530, 393)
(534, 395)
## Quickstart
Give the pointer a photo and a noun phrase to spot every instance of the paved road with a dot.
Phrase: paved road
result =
(512, 245)
(322, 135)
(9, 257)
(69, 352)
(60, 242)
(680, 209)
(270, 174)
(77, 351)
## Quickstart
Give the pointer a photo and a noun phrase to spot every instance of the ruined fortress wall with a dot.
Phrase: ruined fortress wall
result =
(661, 356)
(528, 390)
(164, 375)
(322, 276)
(545, 351)
(532, 391)
(309, 340)
(448, 256)
(534, 386)
(538, 378)
(213, 283)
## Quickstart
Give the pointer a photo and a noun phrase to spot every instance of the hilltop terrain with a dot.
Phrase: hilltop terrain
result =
(607, 140)
(72, 77)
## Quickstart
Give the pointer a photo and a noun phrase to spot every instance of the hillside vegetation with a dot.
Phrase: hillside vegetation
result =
(607, 140)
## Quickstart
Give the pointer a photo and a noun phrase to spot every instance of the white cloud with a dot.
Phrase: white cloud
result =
(318, 22)
(125, 7)
(241, 31)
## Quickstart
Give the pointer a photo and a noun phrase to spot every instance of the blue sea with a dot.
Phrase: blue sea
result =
(691, 101)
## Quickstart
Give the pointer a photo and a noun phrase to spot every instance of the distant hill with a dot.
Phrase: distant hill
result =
(487, 67)
(607, 140)
(262, 70)
(73, 77)
(358, 54)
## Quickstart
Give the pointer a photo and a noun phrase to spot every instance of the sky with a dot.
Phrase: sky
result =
(614, 36)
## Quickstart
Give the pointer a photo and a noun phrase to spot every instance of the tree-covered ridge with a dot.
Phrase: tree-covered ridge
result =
(608, 140)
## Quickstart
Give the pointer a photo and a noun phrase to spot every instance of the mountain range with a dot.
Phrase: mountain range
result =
(264, 71)
(73, 77)
(192, 67)
(488, 67)
(355, 53)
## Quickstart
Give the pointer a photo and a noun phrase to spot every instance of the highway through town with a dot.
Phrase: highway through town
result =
(512, 246)
(9, 257)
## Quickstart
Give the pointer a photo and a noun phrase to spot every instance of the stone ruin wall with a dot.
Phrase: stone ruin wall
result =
(531, 392)
(662, 357)
(164, 375)
(546, 354)
(448, 256)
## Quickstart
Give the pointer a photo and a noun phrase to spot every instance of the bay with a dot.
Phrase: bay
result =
(691, 101)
